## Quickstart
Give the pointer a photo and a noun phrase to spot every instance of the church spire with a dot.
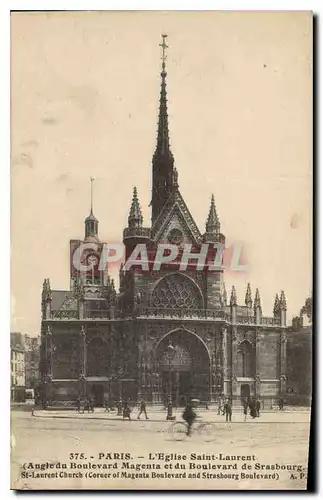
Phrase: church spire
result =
(163, 147)
(135, 218)
(163, 160)
(91, 222)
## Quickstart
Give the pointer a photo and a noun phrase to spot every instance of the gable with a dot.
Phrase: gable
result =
(176, 215)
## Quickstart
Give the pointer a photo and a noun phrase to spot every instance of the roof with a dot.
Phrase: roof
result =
(59, 297)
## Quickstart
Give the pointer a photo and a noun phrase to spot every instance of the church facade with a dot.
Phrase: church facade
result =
(168, 332)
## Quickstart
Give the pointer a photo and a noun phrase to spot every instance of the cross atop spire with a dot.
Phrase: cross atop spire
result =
(164, 46)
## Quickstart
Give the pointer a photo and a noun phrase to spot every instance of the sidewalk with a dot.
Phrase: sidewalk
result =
(160, 415)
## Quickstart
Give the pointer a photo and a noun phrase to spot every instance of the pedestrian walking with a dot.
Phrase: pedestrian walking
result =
(228, 410)
(119, 407)
(253, 410)
(258, 407)
(245, 408)
(78, 404)
(126, 412)
(281, 404)
(142, 409)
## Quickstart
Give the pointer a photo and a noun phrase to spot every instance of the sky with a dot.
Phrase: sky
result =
(84, 102)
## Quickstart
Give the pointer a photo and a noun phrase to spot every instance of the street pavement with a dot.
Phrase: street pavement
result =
(47, 438)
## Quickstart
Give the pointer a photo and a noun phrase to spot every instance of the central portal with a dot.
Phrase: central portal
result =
(184, 367)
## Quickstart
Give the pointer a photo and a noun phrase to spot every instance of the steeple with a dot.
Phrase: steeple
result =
(248, 298)
(91, 222)
(163, 160)
(135, 218)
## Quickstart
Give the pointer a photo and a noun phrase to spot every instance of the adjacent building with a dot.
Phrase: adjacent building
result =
(24, 361)
(166, 333)
(17, 366)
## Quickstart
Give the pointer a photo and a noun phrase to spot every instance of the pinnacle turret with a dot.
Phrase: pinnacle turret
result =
(282, 302)
(135, 218)
(248, 297)
(224, 295)
(212, 224)
(257, 301)
(276, 309)
(233, 298)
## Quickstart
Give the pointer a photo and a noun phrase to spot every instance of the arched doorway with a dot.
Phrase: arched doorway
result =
(184, 368)
(245, 392)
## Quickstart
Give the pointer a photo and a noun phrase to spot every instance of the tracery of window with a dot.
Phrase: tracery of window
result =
(98, 358)
(66, 356)
(181, 358)
(176, 291)
(245, 360)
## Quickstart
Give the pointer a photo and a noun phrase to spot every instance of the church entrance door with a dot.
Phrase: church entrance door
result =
(184, 368)
(245, 391)
(97, 393)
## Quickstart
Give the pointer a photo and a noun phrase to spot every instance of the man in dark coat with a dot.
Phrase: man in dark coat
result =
(228, 410)
(245, 408)
(253, 410)
(258, 407)
(126, 411)
(142, 409)
(189, 415)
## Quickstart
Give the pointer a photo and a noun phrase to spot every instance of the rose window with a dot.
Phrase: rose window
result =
(176, 291)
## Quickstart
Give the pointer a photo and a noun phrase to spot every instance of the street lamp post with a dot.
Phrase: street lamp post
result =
(170, 355)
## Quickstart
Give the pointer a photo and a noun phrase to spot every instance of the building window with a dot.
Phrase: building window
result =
(176, 291)
(245, 360)
(98, 358)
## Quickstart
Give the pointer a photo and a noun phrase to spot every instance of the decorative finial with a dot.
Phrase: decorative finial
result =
(164, 46)
(283, 303)
(135, 218)
(257, 302)
(248, 298)
(276, 309)
(233, 299)
(212, 223)
(224, 295)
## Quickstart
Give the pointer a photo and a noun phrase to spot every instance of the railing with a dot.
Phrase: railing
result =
(136, 231)
(65, 314)
(97, 314)
(154, 312)
(74, 314)
(246, 320)
(268, 321)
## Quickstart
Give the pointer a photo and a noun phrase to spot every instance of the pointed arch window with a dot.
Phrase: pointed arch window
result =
(245, 360)
(98, 358)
